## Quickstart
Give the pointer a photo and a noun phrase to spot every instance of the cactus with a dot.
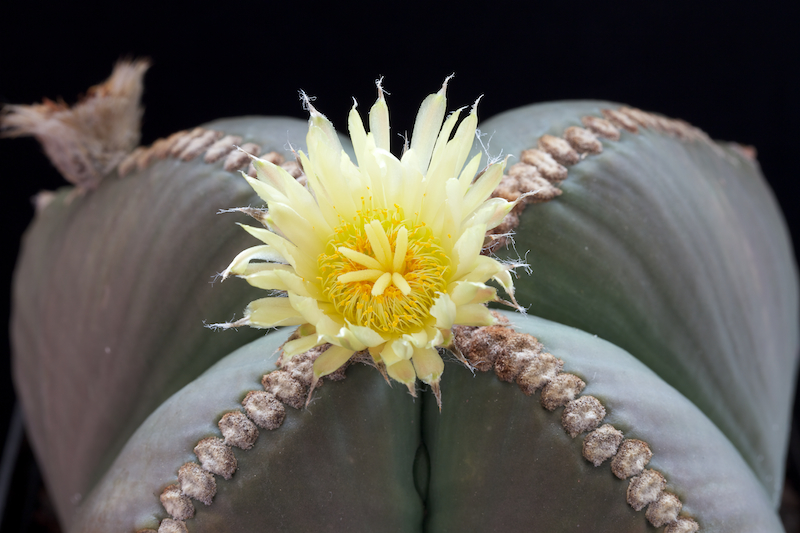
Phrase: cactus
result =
(648, 385)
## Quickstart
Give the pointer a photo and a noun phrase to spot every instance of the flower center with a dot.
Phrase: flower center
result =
(383, 272)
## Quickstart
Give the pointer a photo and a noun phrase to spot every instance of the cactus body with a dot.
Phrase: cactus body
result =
(666, 245)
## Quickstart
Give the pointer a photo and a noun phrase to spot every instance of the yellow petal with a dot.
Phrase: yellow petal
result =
(466, 292)
(379, 122)
(444, 311)
(468, 249)
(428, 364)
(368, 336)
(483, 187)
(298, 229)
(396, 350)
(331, 360)
(272, 312)
(280, 279)
(490, 213)
(474, 315)
(427, 126)
(303, 264)
(403, 371)
(262, 252)
(301, 345)
(444, 138)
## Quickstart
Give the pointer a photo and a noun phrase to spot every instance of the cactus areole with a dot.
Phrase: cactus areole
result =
(381, 269)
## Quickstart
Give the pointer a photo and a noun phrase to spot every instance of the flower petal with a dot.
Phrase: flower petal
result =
(281, 279)
(379, 122)
(474, 315)
(262, 252)
(428, 364)
(444, 311)
(483, 187)
(272, 312)
(467, 292)
(427, 126)
(403, 371)
(331, 360)
(298, 229)
(297, 346)
(468, 249)
(303, 264)
(396, 350)
(368, 336)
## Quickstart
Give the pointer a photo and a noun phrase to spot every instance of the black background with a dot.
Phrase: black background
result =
(729, 68)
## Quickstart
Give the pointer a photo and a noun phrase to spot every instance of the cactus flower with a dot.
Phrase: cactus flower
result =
(382, 256)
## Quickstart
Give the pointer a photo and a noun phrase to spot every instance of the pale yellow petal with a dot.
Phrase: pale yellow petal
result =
(485, 268)
(272, 312)
(418, 339)
(379, 123)
(368, 336)
(396, 350)
(466, 292)
(468, 173)
(427, 126)
(474, 315)
(444, 311)
(302, 263)
(490, 213)
(358, 135)
(428, 364)
(281, 279)
(318, 121)
(347, 339)
(301, 345)
(261, 252)
(298, 229)
(483, 187)
(403, 372)
(331, 360)
(468, 249)
(444, 137)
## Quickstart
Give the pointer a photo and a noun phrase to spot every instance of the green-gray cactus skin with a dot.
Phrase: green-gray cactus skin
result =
(672, 250)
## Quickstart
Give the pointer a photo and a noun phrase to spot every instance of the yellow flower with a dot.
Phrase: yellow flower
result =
(383, 256)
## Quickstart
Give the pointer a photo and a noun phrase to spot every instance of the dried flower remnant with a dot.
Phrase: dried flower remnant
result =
(87, 141)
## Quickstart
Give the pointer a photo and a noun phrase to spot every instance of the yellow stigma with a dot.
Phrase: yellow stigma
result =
(383, 272)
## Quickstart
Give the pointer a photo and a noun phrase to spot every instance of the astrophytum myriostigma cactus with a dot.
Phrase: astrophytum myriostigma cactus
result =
(648, 383)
